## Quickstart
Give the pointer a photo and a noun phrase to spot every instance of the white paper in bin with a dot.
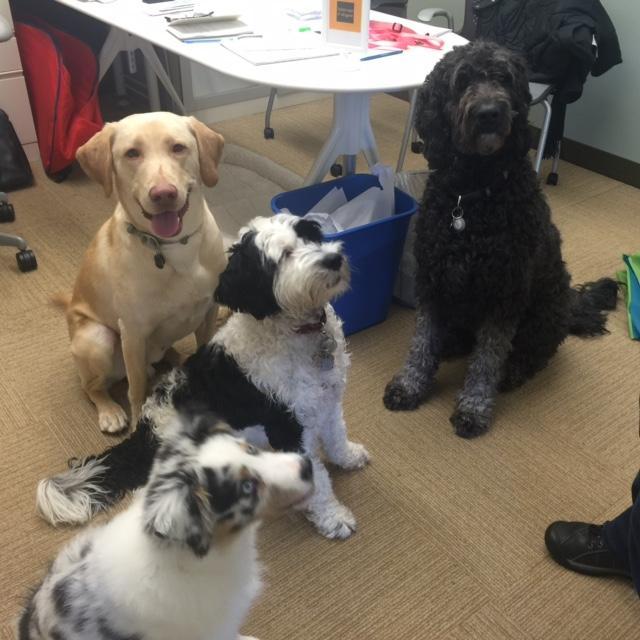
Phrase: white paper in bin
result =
(335, 213)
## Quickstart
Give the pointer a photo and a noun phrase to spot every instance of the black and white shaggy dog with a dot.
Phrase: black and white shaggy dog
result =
(490, 278)
(180, 563)
(279, 362)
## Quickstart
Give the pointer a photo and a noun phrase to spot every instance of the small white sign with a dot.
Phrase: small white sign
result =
(346, 22)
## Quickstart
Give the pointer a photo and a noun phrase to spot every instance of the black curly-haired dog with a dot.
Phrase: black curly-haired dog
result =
(490, 277)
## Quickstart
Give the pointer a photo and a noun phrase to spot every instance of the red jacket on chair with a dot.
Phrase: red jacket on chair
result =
(61, 73)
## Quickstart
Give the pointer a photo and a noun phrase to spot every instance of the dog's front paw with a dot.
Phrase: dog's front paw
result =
(336, 523)
(468, 424)
(112, 419)
(356, 457)
(399, 395)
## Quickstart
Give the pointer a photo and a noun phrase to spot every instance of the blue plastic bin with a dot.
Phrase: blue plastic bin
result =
(374, 249)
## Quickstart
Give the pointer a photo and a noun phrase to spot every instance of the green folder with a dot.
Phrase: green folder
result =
(629, 278)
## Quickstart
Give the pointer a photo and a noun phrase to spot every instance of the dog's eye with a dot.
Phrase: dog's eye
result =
(178, 148)
(132, 153)
(287, 253)
(247, 487)
(251, 450)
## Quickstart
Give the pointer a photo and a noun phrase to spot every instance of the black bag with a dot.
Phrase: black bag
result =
(557, 39)
(15, 171)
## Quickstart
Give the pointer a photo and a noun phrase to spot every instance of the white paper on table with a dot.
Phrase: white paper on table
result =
(167, 8)
(210, 29)
(275, 49)
(304, 9)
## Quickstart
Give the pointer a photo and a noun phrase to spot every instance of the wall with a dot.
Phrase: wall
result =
(606, 116)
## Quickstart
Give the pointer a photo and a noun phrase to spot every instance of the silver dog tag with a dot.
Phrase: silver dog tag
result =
(323, 357)
(328, 343)
(324, 361)
(458, 223)
(457, 216)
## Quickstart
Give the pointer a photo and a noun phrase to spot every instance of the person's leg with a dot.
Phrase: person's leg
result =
(634, 543)
(635, 488)
(616, 535)
(622, 535)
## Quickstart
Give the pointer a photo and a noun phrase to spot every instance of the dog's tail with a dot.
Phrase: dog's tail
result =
(91, 485)
(61, 299)
(589, 304)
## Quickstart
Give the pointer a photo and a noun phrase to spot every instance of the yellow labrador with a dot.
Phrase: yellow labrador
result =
(147, 278)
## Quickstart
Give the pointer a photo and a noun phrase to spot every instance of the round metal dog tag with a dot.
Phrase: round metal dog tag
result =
(324, 361)
(323, 357)
(459, 224)
(328, 343)
(457, 216)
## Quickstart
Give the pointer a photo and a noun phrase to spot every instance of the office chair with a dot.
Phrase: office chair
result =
(540, 94)
(25, 258)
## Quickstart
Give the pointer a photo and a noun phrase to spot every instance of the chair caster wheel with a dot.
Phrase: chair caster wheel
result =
(269, 133)
(62, 175)
(417, 146)
(26, 260)
(7, 213)
(336, 170)
(552, 179)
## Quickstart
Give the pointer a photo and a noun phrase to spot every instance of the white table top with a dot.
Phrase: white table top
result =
(335, 74)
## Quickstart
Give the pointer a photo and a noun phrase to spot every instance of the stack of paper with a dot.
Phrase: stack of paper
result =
(305, 10)
(211, 30)
(175, 8)
(168, 8)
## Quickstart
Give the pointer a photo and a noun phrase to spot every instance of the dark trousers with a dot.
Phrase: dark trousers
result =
(622, 535)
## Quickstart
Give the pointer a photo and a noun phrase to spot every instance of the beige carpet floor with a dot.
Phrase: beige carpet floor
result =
(450, 539)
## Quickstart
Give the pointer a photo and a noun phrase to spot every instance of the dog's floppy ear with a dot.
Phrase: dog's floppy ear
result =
(520, 136)
(246, 284)
(210, 146)
(431, 119)
(308, 230)
(96, 159)
(176, 504)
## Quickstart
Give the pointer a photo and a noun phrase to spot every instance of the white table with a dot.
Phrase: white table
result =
(350, 81)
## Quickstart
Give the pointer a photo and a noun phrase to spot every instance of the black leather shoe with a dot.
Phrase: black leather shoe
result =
(581, 547)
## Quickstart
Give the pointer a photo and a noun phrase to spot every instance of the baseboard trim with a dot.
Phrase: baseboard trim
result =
(597, 160)
(212, 115)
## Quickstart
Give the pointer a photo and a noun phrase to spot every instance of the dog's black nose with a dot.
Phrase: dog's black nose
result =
(306, 469)
(488, 115)
(332, 261)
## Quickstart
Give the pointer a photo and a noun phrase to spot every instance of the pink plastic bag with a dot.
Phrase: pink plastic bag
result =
(387, 34)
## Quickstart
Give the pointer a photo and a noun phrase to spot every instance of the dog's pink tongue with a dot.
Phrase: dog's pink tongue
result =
(165, 224)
